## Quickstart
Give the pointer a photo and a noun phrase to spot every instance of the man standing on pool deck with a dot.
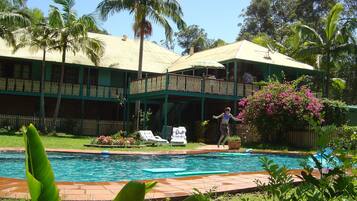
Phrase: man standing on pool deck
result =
(224, 126)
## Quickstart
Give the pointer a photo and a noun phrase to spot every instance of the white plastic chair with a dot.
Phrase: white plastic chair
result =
(148, 136)
(178, 136)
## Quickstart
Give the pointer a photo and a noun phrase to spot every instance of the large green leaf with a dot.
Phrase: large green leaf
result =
(332, 21)
(134, 191)
(40, 177)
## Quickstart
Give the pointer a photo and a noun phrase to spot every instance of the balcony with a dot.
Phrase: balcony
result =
(32, 87)
(191, 85)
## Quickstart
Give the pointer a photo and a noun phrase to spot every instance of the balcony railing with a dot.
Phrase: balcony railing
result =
(184, 83)
(51, 88)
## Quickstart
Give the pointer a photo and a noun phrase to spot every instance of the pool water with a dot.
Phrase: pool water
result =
(97, 167)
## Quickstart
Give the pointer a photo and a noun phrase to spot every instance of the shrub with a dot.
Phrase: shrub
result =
(114, 140)
(200, 128)
(330, 186)
(104, 140)
(124, 141)
(69, 126)
(334, 112)
(234, 138)
(278, 108)
(346, 139)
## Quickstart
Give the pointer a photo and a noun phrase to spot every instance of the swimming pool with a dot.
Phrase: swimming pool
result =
(97, 167)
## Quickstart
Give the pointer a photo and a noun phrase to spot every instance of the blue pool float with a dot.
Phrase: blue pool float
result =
(200, 173)
(326, 159)
(105, 152)
(164, 170)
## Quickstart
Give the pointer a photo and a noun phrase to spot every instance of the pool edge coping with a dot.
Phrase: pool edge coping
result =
(176, 152)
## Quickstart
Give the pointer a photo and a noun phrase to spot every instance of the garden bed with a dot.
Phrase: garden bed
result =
(114, 146)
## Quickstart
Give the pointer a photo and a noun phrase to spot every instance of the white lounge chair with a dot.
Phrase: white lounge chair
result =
(178, 136)
(148, 136)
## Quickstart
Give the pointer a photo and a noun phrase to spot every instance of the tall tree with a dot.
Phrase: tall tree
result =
(145, 12)
(273, 17)
(38, 37)
(192, 37)
(257, 19)
(72, 36)
(217, 43)
(335, 40)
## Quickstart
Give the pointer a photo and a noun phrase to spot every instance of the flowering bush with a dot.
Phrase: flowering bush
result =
(116, 140)
(124, 141)
(104, 140)
(277, 108)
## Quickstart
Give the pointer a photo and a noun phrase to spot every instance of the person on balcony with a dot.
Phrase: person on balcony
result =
(224, 125)
(247, 78)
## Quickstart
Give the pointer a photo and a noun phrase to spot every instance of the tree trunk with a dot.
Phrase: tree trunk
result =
(327, 90)
(59, 93)
(140, 73)
(42, 93)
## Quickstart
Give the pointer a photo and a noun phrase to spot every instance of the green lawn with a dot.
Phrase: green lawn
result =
(76, 142)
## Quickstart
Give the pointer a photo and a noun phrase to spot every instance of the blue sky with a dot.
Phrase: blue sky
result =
(218, 17)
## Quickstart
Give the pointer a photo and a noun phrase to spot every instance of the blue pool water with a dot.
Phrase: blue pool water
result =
(96, 167)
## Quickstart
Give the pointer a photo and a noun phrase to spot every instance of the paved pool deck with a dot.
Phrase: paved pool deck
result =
(175, 188)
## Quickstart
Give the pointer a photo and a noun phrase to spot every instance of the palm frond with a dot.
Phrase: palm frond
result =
(306, 30)
(93, 48)
(161, 20)
(13, 19)
(55, 18)
(109, 7)
(173, 10)
(332, 21)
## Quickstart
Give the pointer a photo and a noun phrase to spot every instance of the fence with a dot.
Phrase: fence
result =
(73, 126)
(302, 139)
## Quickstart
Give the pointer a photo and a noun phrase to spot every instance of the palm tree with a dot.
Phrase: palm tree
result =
(72, 35)
(11, 18)
(145, 12)
(38, 37)
(327, 46)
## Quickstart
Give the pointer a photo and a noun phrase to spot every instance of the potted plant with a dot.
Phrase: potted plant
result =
(234, 142)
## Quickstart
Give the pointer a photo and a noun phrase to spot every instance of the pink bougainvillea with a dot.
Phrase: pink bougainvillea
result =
(279, 107)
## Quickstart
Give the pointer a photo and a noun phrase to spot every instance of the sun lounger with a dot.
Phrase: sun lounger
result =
(178, 136)
(148, 136)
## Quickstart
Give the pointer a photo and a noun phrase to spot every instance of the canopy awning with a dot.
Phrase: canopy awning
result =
(207, 64)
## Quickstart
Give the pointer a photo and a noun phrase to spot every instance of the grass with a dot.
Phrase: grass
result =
(65, 141)
(77, 142)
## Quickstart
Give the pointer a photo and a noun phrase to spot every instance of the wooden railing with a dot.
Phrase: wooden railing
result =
(51, 88)
(184, 83)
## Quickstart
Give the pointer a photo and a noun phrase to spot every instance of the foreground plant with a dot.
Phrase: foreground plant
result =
(41, 179)
(329, 186)
(39, 174)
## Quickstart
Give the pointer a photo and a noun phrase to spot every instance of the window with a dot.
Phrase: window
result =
(93, 76)
(71, 74)
(19, 70)
(56, 73)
